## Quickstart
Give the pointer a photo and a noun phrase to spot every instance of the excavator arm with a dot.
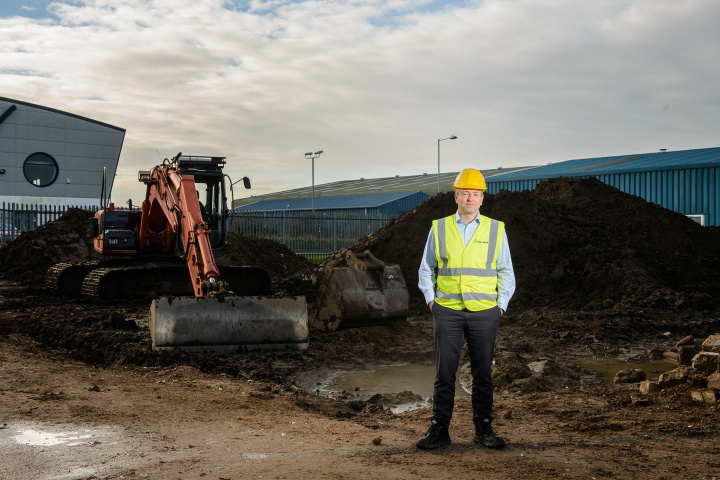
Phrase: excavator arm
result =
(172, 205)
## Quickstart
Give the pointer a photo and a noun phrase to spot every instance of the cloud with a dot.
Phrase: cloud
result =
(373, 83)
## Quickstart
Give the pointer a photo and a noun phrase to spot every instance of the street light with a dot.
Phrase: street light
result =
(312, 156)
(453, 137)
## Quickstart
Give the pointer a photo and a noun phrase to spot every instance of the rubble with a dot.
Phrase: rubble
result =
(703, 376)
(711, 344)
(706, 362)
(629, 375)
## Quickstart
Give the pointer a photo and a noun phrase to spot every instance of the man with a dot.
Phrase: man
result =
(475, 281)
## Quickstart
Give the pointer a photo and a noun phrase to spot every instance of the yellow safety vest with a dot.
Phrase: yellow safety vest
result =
(467, 275)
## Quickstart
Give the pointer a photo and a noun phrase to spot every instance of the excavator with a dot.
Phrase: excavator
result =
(195, 306)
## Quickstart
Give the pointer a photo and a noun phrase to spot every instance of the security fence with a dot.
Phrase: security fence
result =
(313, 235)
(16, 218)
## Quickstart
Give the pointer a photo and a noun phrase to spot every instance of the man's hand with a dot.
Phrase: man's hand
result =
(502, 312)
(432, 302)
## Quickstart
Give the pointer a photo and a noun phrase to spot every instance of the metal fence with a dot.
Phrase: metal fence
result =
(16, 218)
(313, 235)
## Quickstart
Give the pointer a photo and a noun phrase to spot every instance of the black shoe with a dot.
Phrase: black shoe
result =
(484, 435)
(436, 436)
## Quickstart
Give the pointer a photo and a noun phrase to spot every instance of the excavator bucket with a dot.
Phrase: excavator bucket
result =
(364, 292)
(229, 324)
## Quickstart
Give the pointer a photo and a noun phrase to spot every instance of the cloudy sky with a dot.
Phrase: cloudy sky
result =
(372, 83)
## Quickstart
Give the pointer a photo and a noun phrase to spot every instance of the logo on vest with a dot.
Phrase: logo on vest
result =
(480, 241)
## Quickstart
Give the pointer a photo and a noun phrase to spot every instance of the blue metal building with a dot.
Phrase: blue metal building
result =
(367, 204)
(685, 181)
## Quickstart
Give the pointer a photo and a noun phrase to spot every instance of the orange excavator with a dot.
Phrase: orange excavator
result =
(184, 216)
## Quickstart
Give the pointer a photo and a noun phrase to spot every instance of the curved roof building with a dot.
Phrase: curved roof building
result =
(50, 157)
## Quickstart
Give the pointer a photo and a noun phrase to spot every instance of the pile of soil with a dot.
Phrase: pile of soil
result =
(576, 244)
(67, 239)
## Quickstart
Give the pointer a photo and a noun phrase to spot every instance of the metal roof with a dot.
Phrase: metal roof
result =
(340, 202)
(426, 183)
(646, 162)
(97, 122)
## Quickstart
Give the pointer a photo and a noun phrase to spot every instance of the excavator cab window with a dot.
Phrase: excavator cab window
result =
(211, 198)
(116, 220)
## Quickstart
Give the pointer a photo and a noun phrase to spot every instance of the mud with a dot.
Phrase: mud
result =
(601, 275)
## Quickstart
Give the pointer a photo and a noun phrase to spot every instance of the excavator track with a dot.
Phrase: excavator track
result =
(67, 278)
(152, 281)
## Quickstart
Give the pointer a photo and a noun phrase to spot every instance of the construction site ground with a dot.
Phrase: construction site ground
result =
(601, 276)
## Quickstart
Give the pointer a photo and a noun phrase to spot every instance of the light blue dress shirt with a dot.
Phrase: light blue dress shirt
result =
(505, 272)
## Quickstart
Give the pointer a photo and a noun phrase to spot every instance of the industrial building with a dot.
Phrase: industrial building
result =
(685, 181)
(365, 204)
(53, 158)
(385, 196)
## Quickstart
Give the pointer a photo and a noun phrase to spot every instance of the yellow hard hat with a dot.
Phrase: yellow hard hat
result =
(470, 179)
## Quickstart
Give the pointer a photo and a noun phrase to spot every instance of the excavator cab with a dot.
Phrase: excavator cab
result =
(112, 231)
(210, 189)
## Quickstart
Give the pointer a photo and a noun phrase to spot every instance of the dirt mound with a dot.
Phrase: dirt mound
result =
(66, 239)
(576, 243)
(277, 259)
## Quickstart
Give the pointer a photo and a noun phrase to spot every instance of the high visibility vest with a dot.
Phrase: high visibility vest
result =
(467, 275)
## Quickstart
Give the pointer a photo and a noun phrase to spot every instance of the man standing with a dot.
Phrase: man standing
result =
(475, 281)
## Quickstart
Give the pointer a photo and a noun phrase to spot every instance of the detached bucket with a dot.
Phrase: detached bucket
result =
(365, 292)
(229, 324)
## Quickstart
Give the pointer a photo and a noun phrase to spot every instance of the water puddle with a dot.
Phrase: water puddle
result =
(41, 438)
(393, 382)
(606, 369)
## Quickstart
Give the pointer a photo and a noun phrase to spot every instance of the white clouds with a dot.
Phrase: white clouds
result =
(373, 83)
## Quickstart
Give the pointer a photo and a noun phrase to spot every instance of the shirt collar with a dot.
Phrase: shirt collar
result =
(460, 220)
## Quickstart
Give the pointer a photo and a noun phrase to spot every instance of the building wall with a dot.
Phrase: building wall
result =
(80, 147)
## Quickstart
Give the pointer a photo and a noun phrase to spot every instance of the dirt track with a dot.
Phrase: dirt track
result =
(600, 275)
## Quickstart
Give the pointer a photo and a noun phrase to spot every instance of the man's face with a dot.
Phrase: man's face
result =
(468, 201)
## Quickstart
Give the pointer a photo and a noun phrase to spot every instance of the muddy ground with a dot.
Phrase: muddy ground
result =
(601, 275)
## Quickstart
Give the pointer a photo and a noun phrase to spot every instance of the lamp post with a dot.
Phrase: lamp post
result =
(453, 137)
(312, 156)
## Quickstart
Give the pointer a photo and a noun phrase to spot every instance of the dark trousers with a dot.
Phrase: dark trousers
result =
(450, 328)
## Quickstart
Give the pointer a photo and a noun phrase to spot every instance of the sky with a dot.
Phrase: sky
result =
(373, 84)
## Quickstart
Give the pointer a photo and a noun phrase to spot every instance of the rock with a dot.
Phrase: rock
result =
(628, 375)
(675, 377)
(649, 386)
(713, 381)
(710, 396)
(118, 321)
(686, 341)
(656, 353)
(377, 440)
(671, 356)
(539, 366)
(706, 362)
(686, 353)
(697, 396)
(509, 368)
(640, 402)
(697, 381)
(712, 343)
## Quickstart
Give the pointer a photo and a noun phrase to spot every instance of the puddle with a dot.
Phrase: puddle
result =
(606, 369)
(41, 438)
(388, 380)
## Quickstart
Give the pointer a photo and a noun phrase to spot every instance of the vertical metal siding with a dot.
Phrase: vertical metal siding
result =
(689, 191)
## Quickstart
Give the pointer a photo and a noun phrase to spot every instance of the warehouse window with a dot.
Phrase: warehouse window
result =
(40, 169)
